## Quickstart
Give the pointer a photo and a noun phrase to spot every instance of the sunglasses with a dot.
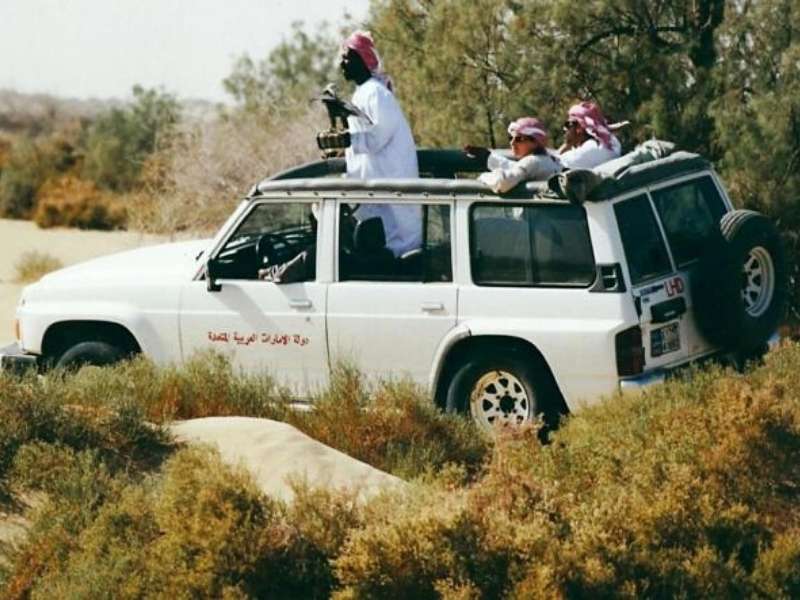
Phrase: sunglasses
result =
(570, 124)
(518, 139)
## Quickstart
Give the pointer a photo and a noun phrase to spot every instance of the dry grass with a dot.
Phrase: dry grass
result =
(32, 265)
(196, 182)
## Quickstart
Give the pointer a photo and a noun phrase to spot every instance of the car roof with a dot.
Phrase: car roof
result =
(450, 172)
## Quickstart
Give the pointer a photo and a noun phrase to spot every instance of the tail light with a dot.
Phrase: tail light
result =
(630, 352)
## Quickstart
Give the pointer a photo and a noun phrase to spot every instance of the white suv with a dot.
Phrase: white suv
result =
(515, 305)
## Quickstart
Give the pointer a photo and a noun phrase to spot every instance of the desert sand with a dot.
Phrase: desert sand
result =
(276, 453)
(70, 246)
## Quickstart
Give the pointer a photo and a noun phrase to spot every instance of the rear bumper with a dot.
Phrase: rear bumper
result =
(660, 375)
(643, 381)
(13, 360)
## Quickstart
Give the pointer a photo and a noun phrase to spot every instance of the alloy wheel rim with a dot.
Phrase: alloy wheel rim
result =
(758, 281)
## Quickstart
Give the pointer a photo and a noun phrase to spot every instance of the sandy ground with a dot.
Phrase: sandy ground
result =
(276, 453)
(70, 246)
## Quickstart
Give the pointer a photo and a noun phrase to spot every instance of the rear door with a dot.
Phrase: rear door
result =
(663, 232)
(659, 292)
(388, 315)
(689, 211)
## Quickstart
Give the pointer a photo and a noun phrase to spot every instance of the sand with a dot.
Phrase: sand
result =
(70, 246)
(276, 453)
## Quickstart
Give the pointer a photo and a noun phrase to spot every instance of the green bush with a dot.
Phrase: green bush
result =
(26, 170)
(119, 142)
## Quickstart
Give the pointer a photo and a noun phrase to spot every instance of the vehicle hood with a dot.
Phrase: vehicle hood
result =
(164, 262)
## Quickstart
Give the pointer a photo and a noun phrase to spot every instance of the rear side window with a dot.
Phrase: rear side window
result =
(545, 245)
(641, 238)
(690, 213)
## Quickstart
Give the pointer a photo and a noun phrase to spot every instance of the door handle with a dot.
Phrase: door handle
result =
(300, 303)
(432, 306)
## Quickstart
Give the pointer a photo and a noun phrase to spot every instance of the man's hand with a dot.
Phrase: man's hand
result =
(333, 140)
(479, 152)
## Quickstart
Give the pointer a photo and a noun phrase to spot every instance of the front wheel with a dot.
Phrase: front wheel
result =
(500, 391)
(92, 353)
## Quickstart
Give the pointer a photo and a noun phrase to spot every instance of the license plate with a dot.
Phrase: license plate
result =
(664, 340)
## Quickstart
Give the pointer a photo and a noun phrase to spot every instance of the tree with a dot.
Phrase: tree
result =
(294, 71)
(119, 141)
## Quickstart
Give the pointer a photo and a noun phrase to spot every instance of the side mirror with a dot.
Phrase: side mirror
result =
(211, 273)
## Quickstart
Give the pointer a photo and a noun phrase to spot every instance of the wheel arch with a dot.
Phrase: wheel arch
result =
(468, 346)
(62, 335)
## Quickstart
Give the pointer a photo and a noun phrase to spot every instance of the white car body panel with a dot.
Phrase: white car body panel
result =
(387, 329)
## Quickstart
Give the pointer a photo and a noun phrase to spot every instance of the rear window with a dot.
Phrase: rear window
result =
(546, 245)
(690, 214)
(641, 238)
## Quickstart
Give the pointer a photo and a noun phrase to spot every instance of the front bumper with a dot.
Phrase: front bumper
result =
(13, 360)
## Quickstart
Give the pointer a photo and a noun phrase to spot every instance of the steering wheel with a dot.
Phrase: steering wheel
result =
(265, 249)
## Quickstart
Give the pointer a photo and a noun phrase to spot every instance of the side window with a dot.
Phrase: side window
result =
(641, 238)
(272, 233)
(533, 245)
(395, 242)
(690, 213)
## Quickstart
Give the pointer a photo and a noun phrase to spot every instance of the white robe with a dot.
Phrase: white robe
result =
(384, 149)
(590, 154)
(504, 173)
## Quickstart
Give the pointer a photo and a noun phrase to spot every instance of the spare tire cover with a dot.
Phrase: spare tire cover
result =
(739, 287)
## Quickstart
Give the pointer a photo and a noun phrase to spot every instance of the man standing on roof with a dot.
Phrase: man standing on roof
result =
(383, 147)
(588, 138)
(527, 137)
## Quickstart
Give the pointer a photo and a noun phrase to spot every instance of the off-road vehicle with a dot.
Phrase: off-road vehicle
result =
(537, 301)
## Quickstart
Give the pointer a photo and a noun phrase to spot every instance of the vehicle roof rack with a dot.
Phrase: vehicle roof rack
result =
(436, 163)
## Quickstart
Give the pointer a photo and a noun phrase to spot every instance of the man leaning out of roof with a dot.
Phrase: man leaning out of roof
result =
(534, 160)
(588, 138)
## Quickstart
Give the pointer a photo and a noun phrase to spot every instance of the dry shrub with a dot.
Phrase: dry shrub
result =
(690, 490)
(69, 201)
(392, 426)
(32, 265)
(199, 529)
(196, 182)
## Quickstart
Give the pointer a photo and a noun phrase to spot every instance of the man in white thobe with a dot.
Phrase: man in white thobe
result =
(382, 147)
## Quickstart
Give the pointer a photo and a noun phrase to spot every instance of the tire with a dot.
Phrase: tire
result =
(94, 353)
(497, 390)
(739, 289)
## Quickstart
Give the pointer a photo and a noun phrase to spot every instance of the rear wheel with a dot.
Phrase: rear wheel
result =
(740, 286)
(502, 391)
(93, 353)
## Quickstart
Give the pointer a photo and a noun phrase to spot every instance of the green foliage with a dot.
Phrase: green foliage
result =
(28, 166)
(293, 71)
(32, 265)
(119, 142)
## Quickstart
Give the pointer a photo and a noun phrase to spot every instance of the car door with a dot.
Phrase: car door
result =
(262, 325)
(386, 314)
(659, 292)
(663, 231)
(689, 211)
